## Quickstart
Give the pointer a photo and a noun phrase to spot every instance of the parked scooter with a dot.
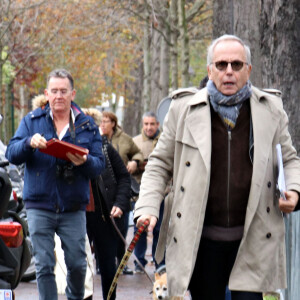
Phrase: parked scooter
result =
(14, 250)
(17, 206)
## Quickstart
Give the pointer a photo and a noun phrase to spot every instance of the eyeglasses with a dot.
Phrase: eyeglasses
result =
(56, 91)
(236, 65)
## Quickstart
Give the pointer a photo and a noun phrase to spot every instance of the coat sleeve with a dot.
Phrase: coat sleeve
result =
(291, 161)
(18, 149)
(122, 198)
(136, 153)
(95, 162)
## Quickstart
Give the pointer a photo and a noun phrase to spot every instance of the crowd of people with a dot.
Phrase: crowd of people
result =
(207, 185)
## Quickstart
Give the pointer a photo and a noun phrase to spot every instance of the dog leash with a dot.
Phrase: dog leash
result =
(125, 243)
(126, 256)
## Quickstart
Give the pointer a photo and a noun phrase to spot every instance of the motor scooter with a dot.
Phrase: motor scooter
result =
(16, 205)
(14, 250)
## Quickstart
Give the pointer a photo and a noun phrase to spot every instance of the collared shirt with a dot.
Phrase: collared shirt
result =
(63, 132)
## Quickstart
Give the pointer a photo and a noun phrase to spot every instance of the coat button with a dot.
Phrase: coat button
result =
(269, 184)
(187, 163)
(175, 240)
(268, 209)
(179, 215)
(182, 188)
(268, 235)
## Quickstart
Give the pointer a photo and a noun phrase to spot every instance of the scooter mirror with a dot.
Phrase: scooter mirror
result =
(1, 118)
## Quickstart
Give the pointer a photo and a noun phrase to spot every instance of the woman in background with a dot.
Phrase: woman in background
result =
(110, 198)
(132, 158)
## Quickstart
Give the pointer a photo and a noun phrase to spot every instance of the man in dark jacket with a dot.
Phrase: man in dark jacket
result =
(56, 191)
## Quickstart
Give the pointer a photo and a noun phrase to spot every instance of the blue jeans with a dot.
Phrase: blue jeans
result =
(71, 228)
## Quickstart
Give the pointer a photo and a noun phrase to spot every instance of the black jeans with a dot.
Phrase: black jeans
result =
(214, 263)
(123, 225)
(105, 239)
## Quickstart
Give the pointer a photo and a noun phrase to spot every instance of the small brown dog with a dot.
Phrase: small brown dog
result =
(160, 288)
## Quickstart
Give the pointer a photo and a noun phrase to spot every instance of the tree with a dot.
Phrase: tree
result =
(241, 18)
(111, 47)
(280, 48)
(168, 28)
(21, 35)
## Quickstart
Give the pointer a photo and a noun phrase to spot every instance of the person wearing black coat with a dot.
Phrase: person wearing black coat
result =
(111, 198)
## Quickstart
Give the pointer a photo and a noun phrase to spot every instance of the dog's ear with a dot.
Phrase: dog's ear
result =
(156, 276)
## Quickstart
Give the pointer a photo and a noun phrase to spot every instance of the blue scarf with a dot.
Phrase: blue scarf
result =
(228, 107)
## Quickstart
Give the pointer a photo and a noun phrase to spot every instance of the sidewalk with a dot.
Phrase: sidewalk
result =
(130, 287)
(137, 286)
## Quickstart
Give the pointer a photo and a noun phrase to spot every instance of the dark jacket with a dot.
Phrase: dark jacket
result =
(109, 191)
(43, 188)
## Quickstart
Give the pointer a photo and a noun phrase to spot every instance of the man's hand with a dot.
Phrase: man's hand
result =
(38, 142)
(131, 166)
(288, 205)
(143, 218)
(76, 158)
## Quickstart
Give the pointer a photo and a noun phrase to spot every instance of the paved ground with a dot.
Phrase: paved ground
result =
(137, 286)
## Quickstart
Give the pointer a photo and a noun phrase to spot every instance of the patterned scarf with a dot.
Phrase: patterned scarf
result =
(228, 107)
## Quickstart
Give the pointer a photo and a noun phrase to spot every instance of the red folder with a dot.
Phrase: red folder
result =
(58, 148)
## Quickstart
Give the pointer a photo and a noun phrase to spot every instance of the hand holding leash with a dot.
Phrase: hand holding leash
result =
(151, 219)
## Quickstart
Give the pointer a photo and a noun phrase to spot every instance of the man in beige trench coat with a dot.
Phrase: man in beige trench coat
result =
(223, 222)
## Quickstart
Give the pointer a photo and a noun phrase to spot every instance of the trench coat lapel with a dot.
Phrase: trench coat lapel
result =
(265, 123)
(198, 122)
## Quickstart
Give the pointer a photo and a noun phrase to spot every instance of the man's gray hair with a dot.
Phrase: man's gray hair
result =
(150, 114)
(61, 73)
(227, 37)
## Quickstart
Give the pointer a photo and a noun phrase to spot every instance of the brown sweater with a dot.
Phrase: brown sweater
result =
(231, 172)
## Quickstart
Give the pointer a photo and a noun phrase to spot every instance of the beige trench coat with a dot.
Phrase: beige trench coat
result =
(184, 152)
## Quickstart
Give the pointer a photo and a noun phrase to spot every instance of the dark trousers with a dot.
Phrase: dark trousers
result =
(105, 239)
(141, 246)
(214, 263)
(123, 227)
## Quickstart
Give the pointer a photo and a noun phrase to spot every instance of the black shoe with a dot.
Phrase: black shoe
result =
(138, 269)
(127, 271)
